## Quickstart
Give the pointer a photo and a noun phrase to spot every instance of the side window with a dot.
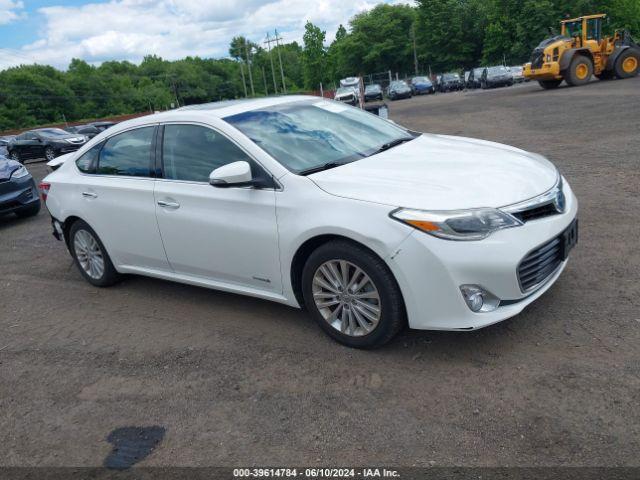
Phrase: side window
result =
(87, 162)
(192, 152)
(128, 153)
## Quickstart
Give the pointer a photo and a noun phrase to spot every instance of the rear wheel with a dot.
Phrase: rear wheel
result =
(628, 64)
(549, 84)
(580, 71)
(352, 295)
(90, 256)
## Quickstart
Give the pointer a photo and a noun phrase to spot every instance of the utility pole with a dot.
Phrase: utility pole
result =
(244, 83)
(264, 77)
(273, 71)
(246, 50)
(415, 52)
(284, 86)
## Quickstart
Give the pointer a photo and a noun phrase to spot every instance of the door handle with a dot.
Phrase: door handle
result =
(172, 205)
(89, 195)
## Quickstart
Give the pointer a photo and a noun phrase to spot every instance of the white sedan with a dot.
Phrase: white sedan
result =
(313, 203)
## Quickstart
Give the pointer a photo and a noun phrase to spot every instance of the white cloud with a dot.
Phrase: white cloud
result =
(10, 10)
(131, 29)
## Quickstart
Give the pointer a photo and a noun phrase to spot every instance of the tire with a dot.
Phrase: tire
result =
(384, 315)
(628, 63)
(549, 84)
(49, 154)
(30, 211)
(15, 156)
(80, 243)
(580, 71)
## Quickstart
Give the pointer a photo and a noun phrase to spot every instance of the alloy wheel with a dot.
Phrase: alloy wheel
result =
(346, 297)
(49, 154)
(89, 254)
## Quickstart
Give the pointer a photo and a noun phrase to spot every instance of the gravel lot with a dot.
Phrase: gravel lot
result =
(238, 381)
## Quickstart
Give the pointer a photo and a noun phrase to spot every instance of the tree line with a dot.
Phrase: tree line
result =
(433, 35)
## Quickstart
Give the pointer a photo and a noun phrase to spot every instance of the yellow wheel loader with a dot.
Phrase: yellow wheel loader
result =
(581, 51)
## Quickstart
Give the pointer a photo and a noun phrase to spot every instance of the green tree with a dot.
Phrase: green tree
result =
(314, 56)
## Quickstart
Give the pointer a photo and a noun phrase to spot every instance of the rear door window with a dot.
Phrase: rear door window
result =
(128, 153)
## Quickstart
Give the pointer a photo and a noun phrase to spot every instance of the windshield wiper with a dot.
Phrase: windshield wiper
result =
(321, 168)
(393, 143)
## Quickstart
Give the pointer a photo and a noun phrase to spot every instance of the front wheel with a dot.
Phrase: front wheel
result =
(580, 71)
(628, 64)
(550, 84)
(49, 154)
(90, 256)
(352, 295)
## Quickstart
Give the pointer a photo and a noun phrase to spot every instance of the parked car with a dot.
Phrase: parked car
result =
(517, 73)
(497, 76)
(102, 126)
(347, 95)
(372, 92)
(475, 78)
(421, 86)
(18, 190)
(398, 89)
(89, 131)
(4, 144)
(307, 202)
(451, 82)
(44, 143)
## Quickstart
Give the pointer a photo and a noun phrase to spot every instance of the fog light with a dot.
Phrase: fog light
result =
(478, 299)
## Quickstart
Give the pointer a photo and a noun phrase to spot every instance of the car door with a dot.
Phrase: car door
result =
(32, 146)
(116, 197)
(226, 235)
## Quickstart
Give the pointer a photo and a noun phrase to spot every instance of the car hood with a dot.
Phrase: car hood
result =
(7, 167)
(439, 172)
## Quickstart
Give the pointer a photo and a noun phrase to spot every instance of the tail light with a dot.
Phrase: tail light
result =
(44, 190)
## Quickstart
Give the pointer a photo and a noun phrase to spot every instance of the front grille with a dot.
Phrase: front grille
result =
(536, 212)
(539, 264)
(537, 59)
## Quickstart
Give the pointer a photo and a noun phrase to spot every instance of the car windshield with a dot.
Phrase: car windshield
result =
(421, 80)
(497, 70)
(309, 134)
(372, 88)
(52, 132)
(398, 84)
(342, 90)
(451, 76)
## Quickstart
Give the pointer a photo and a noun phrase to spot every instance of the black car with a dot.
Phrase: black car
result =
(451, 82)
(497, 76)
(399, 89)
(372, 92)
(88, 130)
(18, 190)
(4, 143)
(102, 126)
(44, 142)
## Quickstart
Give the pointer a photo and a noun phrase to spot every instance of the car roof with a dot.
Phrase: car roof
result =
(232, 107)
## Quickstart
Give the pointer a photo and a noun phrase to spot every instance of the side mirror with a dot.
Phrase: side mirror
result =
(236, 174)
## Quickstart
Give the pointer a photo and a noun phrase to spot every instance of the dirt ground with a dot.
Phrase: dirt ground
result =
(236, 381)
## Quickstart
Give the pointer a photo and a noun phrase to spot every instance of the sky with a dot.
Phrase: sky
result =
(55, 31)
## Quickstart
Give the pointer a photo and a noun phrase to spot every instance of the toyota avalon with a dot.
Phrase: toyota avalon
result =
(316, 204)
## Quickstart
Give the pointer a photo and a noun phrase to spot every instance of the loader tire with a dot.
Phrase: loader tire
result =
(580, 71)
(549, 84)
(628, 63)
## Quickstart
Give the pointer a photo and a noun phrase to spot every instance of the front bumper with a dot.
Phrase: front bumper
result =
(548, 71)
(430, 272)
(18, 194)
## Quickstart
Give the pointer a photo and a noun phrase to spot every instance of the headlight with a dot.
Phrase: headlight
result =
(20, 172)
(457, 224)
